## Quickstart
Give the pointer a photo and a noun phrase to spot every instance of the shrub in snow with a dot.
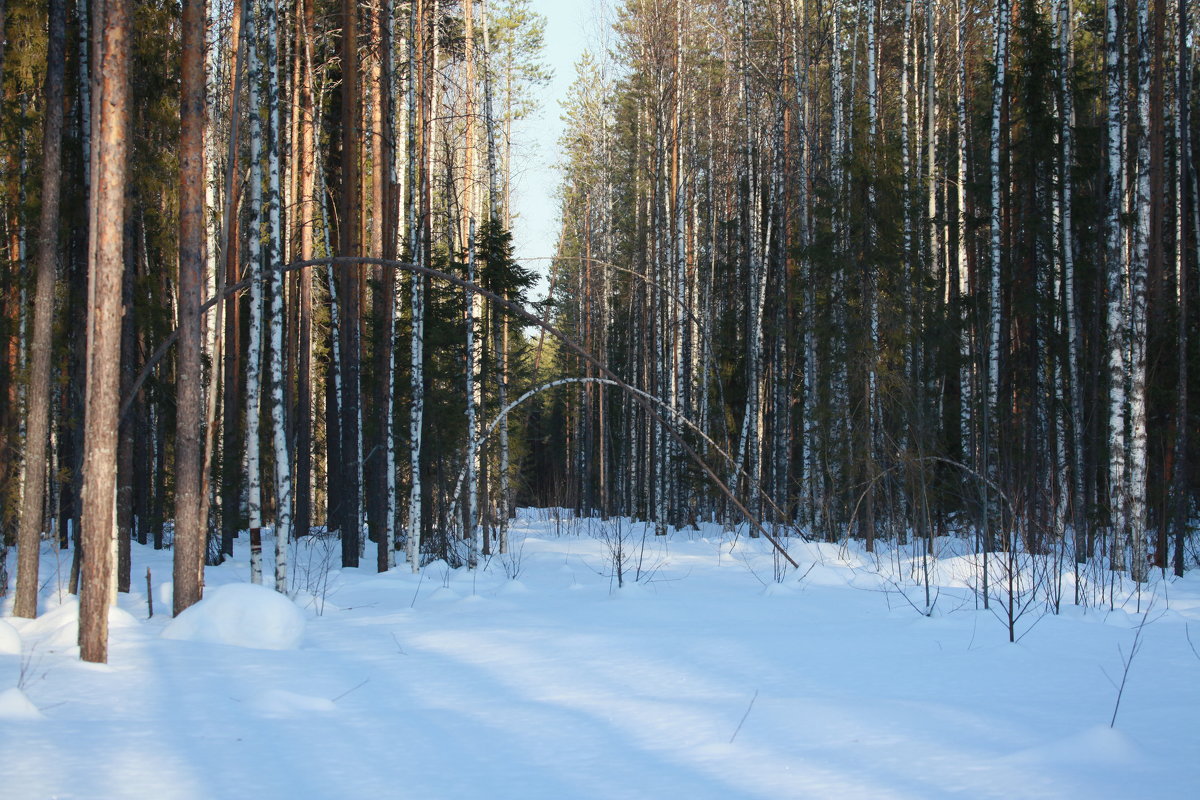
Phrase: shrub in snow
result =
(244, 615)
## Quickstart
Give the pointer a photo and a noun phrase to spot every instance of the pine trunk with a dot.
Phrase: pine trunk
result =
(37, 427)
(102, 400)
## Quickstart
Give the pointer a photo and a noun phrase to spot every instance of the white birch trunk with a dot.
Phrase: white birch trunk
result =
(254, 268)
(274, 258)
(1138, 269)
(1115, 312)
(1067, 243)
(994, 343)
(417, 361)
(966, 377)
(472, 521)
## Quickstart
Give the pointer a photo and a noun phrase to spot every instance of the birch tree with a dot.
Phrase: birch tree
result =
(274, 260)
(254, 269)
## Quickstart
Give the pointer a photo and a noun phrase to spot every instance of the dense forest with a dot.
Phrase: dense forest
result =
(851, 269)
(897, 269)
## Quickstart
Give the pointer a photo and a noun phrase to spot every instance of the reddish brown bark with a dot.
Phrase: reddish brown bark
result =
(37, 425)
(111, 20)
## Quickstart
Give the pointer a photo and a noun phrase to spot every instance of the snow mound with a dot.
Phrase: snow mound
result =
(56, 628)
(443, 594)
(10, 640)
(282, 703)
(14, 705)
(120, 618)
(243, 615)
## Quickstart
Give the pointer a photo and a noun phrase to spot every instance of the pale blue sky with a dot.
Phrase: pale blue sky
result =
(569, 29)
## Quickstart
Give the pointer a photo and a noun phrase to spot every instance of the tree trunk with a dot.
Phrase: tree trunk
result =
(307, 200)
(188, 572)
(350, 244)
(1117, 299)
(1183, 203)
(102, 400)
(255, 270)
(37, 427)
(274, 259)
(1138, 270)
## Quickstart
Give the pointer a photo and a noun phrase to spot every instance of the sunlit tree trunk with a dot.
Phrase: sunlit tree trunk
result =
(37, 427)
(102, 399)
(274, 260)
(307, 219)
(255, 271)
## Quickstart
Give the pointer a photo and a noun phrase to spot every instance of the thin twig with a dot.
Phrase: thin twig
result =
(743, 722)
(348, 691)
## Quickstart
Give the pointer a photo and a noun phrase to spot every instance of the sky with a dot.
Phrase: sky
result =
(569, 24)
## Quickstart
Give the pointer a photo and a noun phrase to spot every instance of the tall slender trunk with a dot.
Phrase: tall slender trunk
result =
(1117, 298)
(307, 219)
(1138, 269)
(966, 351)
(350, 244)
(472, 510)
(274, 260)
(995, 345)
(231, 423)
(102, 400)
(190, 530)
(377, 464)
(1183, 204)
(417, 223)
(38, 424)
(870, 283)
(255, 270)
(500, 325)
(1074, 353)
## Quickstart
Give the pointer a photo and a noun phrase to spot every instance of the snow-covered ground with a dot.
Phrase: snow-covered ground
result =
(704, 677)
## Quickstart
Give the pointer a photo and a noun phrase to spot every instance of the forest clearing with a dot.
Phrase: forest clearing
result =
(839, 441)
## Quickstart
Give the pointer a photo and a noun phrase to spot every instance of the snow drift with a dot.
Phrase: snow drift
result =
(243, 615)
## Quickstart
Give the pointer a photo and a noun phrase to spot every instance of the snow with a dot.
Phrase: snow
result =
(14, 705)
(710, 674)
(10, 640)
(242, 615)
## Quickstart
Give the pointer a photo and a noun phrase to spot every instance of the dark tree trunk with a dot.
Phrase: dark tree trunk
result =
(188, 572)
(38, 424)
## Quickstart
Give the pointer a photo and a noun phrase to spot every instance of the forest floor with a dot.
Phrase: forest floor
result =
(712, 673)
